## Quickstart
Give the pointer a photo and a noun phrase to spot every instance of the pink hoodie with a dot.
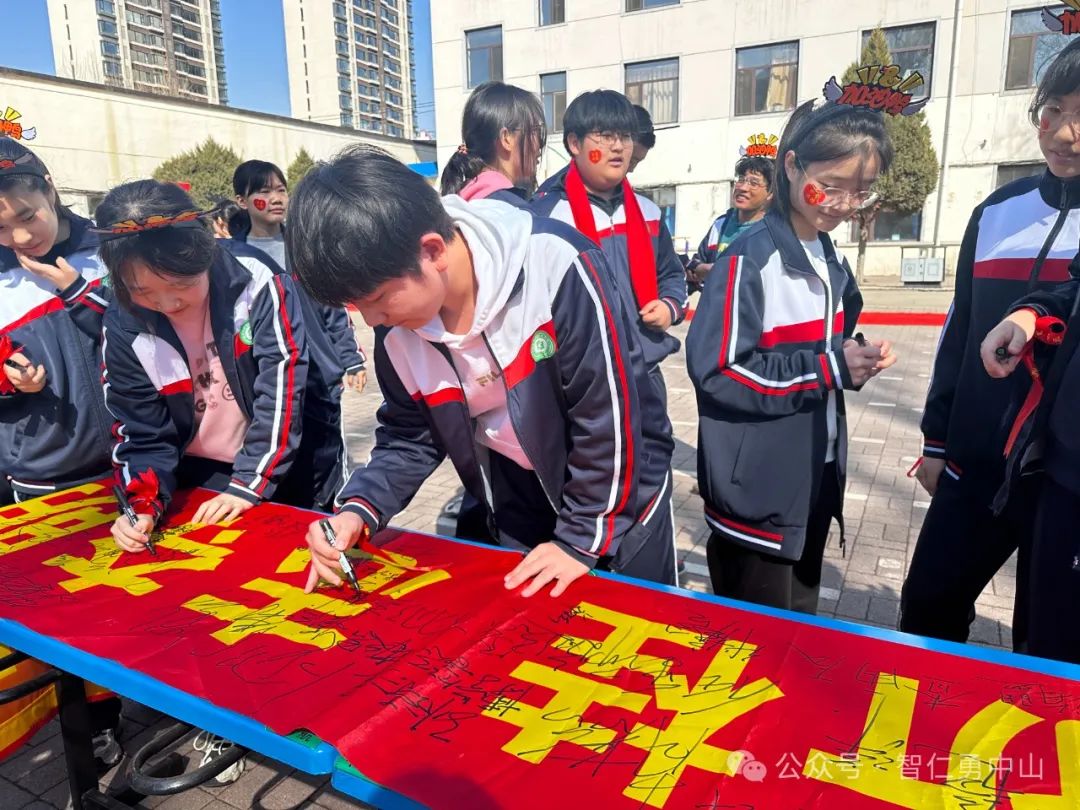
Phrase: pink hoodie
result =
(484, 185)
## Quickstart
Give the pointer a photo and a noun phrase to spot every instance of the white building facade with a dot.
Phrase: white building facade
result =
(169, 47)
(93, 138)
(715, 72)
(351, 64)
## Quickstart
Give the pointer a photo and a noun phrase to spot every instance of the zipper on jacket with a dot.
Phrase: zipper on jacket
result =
(1063, 214)
(518, 433)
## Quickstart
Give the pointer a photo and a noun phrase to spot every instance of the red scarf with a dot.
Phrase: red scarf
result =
(638, 243)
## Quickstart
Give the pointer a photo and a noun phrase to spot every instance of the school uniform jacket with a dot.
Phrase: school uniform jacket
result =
(333, 349)
(764, 351)
(1019, 240)
(259, 332)
(610, 217)
(58, 436)
(710, 248)
(571, 379)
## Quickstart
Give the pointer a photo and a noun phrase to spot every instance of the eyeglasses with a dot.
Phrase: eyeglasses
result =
(831, 197)
(749, 182)
(609, 138)
(1050, 117)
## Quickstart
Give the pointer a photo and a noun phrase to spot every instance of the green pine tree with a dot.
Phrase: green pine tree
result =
(208, 167)
(914, 171)
(303, 164)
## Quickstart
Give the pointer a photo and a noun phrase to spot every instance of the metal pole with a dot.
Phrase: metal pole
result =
(944, 173)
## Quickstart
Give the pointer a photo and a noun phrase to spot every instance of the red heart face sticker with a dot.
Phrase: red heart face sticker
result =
(260, 205)
(595, 155)
(813, 194)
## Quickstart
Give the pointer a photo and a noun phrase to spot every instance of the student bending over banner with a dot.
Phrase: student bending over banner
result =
(500, 342)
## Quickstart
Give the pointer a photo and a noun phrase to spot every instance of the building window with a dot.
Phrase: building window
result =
(664, 197)
(342, 47)
(396, 131)
(343, 65)
(912, 48)
(345, 102)
(889, 226)
(341, 29)
(1007, 172)
(106, 7)
(655, 86)
(112, 69)
(346, 120)
(640, 5)
(552, 12)
(484, 51)
(1031, 48)
(344, 84)
(109, 48)
(339, 11)
(766, 78)
(107, 27)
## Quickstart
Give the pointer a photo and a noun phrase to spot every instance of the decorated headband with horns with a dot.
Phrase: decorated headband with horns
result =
(882, 88)
(130, 227)
(23, 164)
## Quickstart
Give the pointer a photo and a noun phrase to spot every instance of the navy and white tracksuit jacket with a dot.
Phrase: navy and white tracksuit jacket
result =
(610, 218)
(1020, 239)
(59, 436)
(710, 248)
(333, 349)
(573, 404)
(259, 331)
(764, 351)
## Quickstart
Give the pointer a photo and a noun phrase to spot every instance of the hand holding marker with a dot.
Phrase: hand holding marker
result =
(125, 508)
(343, 560)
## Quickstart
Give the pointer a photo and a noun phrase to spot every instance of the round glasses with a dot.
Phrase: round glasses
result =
(608, 138)
(1050, 117)
(830, 197)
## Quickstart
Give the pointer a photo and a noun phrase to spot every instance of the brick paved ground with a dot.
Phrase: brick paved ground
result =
(884, 511)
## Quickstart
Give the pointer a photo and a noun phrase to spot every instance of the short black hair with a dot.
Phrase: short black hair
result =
(645, 135)
(175, 251)
(355, 222)
(1061, 78)
(249, 177)
(829, 132)
(598, 111)
(764, 166)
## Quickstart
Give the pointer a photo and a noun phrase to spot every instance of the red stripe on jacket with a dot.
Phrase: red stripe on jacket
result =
(806, 332)
(290, 383)
(628, 438)
(52, 305)
(729, 301)
(440, 397)
(1054, 270)
(523, 365)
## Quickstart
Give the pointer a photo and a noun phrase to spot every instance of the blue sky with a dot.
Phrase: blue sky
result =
(254, 52)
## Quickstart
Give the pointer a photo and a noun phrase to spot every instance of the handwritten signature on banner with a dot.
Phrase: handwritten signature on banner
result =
(613, 695)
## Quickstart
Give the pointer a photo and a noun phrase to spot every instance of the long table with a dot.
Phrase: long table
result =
(439, 688)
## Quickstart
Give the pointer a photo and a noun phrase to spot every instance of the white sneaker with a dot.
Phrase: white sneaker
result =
(212, 747)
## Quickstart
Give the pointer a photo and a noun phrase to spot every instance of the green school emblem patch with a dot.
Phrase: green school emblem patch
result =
(245, 334)
(542, 346)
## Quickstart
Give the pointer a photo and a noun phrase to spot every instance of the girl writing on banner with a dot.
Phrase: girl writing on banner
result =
(770, 352)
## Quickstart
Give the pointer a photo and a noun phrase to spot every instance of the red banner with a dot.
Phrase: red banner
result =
(443, 686)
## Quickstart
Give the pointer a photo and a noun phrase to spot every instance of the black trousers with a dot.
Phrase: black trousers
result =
(7, 494)
(960, 548)
(743, 573)
(524, 518)
(1054, 583)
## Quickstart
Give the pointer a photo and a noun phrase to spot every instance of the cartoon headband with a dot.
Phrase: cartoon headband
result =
(882, 88)
(760, 145)
(1069, 21)
(131, 227)
(24, 164)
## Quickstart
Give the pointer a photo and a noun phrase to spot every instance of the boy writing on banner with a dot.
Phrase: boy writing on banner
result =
(499, 342)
